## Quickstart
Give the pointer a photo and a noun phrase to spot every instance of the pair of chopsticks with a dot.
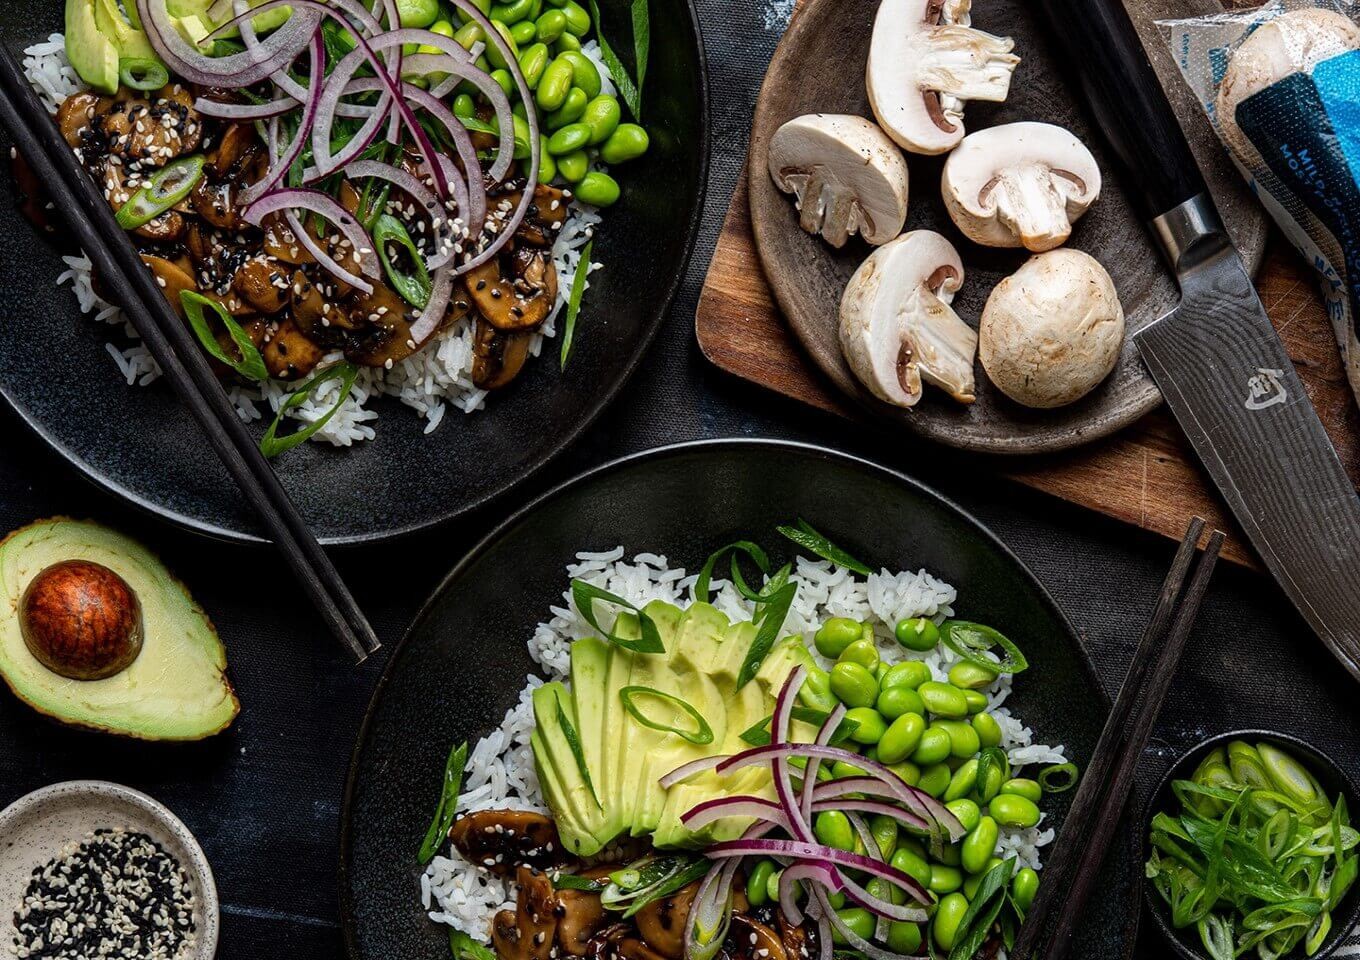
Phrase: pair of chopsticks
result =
(177, 351)
(1071, 872)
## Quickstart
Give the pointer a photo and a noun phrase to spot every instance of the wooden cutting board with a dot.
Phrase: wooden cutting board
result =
(1146, 475)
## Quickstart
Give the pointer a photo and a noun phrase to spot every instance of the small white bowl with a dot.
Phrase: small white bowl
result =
(35, 828)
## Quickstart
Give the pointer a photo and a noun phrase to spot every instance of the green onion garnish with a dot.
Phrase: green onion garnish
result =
(448, 804)
(414, 289)
(249, 364)
(972, 640)
(271, 444)
(574, 742)
(629, 91)
(771, 616)
(142, 73)
(702, 588)
(570, 881)
(463, 947)
(167, 187)
(702, 732)
(578, 289)
(982, 911)
(649, 879)
(772, 603)
(758, 734)
(584, 596)
(1058, 778)
(813, 542)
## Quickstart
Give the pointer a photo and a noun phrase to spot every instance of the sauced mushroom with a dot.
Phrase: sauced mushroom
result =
(75, 115)
(749, 939)
(497, 357)
(289, 355)
(150, 132)
(262, 284)
(621, 942)
(514, 295)
(662, 922)
(580, 916)
(172, 278)
(529, 931)
(500, 840)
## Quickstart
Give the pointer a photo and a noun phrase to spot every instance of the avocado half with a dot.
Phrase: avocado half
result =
(176, 689)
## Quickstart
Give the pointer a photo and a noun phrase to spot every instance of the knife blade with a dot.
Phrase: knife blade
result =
(1216, 357)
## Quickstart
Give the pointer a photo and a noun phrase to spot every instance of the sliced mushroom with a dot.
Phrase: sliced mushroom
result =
(315, 315)
(171, 278)
(580, 916)
(846, 175)
(897, 327)
(235, 152)
(75, 115)
(289, 354)
(214, 202)
(662, 922)
(497, 356)
(154, 131)
(262, 284)
(501, 840)
(513, 305)
(529, 932)
(381, 324)
(619, 942)
(1020, 185)
(281, 244)
(1052, 331)
(544, 217)
(925, 62)
(749, 939)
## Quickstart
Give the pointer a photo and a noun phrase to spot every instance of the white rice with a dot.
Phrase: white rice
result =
(429, 382)
(500, 770)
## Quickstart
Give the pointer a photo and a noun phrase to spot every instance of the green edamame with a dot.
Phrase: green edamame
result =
(965, 811)
(949, 856)
(547, 168)
(1023, 787)
(772, 886)
(554, 86)
(464, 106)
(988, 730)
(884, 831)
(963, 782)
(902, 737)
(567, 44)
(584, 72)
(840, 769)
(933, 747)
(912, 864)
(493, 51)
(835, 635)
(551, 25)
(859, 920)
(511, 13)
(871, 726)
(944, 878)
(917, 633)
(569, 139)
(504, 81)
(904, 937)
(837, 900)
(1013, 811)
(935, 779)
(979, 845)
(417, 13)
(944, 926)
(533, 61)
(483, 5)
(970, 676)
(976, 701)
(894, 702)
(524, 32)
(909, 673)
(852, 683)
(816, 690)
(861, 651)
(909, 772)
(1024, 887)
(570, 111)
(964, 741)
(943, 699)
(602, 115)
(523, 137)
(833, 828)
(578, 18)
(469, 34)
(755, 883)
(445, 29)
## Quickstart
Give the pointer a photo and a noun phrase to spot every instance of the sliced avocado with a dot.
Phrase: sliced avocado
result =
(783, 658)
(130, 41)
(266, 22)
(573, 834)
(577, 799)
(589, 670)
(93, 55)
(699, 645)
(175, 689)
(736, 644)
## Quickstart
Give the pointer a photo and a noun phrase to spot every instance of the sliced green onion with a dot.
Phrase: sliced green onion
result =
(702, 734)
(627, 89)
(584, 596)
(758, 734)
(448, 804)
(249, 364)
(972, 640)
(642, 42)
(1058, 778)
(142, 73)
(463, 947)
(570, 881)
(574, 742)
(167, 187)
(271, 444)
(414, 289)
(702, 587)
(813, 542)
(649, 879)
(983, 909)
(772, 603)
(772, 616)
(578, 289)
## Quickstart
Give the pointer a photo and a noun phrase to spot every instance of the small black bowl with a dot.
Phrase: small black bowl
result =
(1334, 781)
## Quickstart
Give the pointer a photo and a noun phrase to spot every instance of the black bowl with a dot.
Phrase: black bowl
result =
(463, 662)
(1334, 781)
(141, 444)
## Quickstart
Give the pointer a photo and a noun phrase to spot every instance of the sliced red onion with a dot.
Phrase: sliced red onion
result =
(245, 14)
(824, 735)
(441, 292)
(918, 801)
(324, 205)
(867, 947)
(873, 808)
(245, 111)
(281, 164)
(237, 69)
(719, 808)
(764, 847)
(801, 873)
(798, 826)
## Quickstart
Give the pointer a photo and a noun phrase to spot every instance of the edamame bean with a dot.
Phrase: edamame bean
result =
(1012, 811)
(835, 635)
(504, 81)
(970, 676)
(524, 32)
(570, 111)
(511, 13)
(533, 61)
(816, 690)
(894, 702)
(417, 13)
(551, 25)
(445, 29)
(902, 738)
(965, 811)
(963, 782)
(861, 651)
(943, 699)
(979, 845)
(963, 739)
(976, 701)
(884, 831)
(493, 51)
(917, 633)
(464, 106)
(1023, 787)
(988, 730)
(520, 110)
(523, 137)
(871, 726)
(569, 139)
(859, 920)
(772, 886)
(944, 926)
(837, 900)
(909, 673)
(554, 86)
(840, 769)
(949, 856)
(833, 828)
(904, 937)
(567, 44)
(935, 780)
(933, 747)
(851, 683)
(944, 878)
(602, 115)
(1024, 886)
(755, 883)
(908, 772)
(973, 881)
(468, 34)
(912, 864)
(483, 5)
(578, 19)
(991, 786)
(547, 168)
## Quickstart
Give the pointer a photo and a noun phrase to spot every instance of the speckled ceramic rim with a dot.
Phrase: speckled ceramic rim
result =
(184, 846)
(1321, 765)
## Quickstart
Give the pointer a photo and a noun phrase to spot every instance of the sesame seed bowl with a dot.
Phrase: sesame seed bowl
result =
(91, 869)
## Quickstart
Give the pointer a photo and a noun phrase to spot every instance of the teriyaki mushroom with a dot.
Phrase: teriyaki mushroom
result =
(897, 327)
(1020, 185)
(1052, 331)
(846, 176)
(925, 62)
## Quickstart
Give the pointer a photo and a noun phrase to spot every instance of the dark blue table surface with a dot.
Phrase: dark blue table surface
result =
(265, 798)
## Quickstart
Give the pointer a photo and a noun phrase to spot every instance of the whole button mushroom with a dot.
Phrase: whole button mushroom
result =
(925, 62)
(897, 328)
(1020, 185)
(846, 176)
(1052, 330)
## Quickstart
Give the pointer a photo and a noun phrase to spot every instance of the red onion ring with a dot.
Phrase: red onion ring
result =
(237, 69)
(324, 205)
(441, 292)
(281, 165)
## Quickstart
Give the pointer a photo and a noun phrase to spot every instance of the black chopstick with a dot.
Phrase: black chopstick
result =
(178, 354)
(1071, 872)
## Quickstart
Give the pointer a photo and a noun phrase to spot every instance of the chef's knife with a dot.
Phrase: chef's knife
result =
(1216, 357)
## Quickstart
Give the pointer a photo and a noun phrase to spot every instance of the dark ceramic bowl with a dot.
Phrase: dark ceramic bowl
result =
(1334, 781)
(464, 661)
(141, 444)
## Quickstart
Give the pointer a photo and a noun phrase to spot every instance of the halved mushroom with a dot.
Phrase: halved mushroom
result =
(1020, 185)
(749, 939)
(171, 278)
(214, 202)
(581, 915)
(925, 62)
(619, 942)
(846, 175)
(529, 932)
(497, 356)
(75, 115)
(1053, 330)
(289, 353)
(262, 284)
(662, 922)
(501, 840)
(151, 131)
(381, 321)
(897, 327)
(519, 302)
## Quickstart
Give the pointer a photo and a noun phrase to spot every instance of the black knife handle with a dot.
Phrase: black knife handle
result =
(1130, 107)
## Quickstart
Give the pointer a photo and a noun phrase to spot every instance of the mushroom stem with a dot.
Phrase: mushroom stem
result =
(1033, 201)
(943, 345)
(964, 64)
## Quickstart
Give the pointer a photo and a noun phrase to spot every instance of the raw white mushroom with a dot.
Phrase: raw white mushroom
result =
(897, 327)
(846, 175)
(925, 62)
(1020, 185)
(1293, 42)
(1053, 330)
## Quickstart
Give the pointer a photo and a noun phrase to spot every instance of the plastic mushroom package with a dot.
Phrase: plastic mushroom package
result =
(1281, 84)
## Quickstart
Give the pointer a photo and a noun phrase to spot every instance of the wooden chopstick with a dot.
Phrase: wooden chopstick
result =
(1071, 872)
(179, 355)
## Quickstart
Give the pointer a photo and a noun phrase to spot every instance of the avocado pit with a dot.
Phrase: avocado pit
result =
(81, 620)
